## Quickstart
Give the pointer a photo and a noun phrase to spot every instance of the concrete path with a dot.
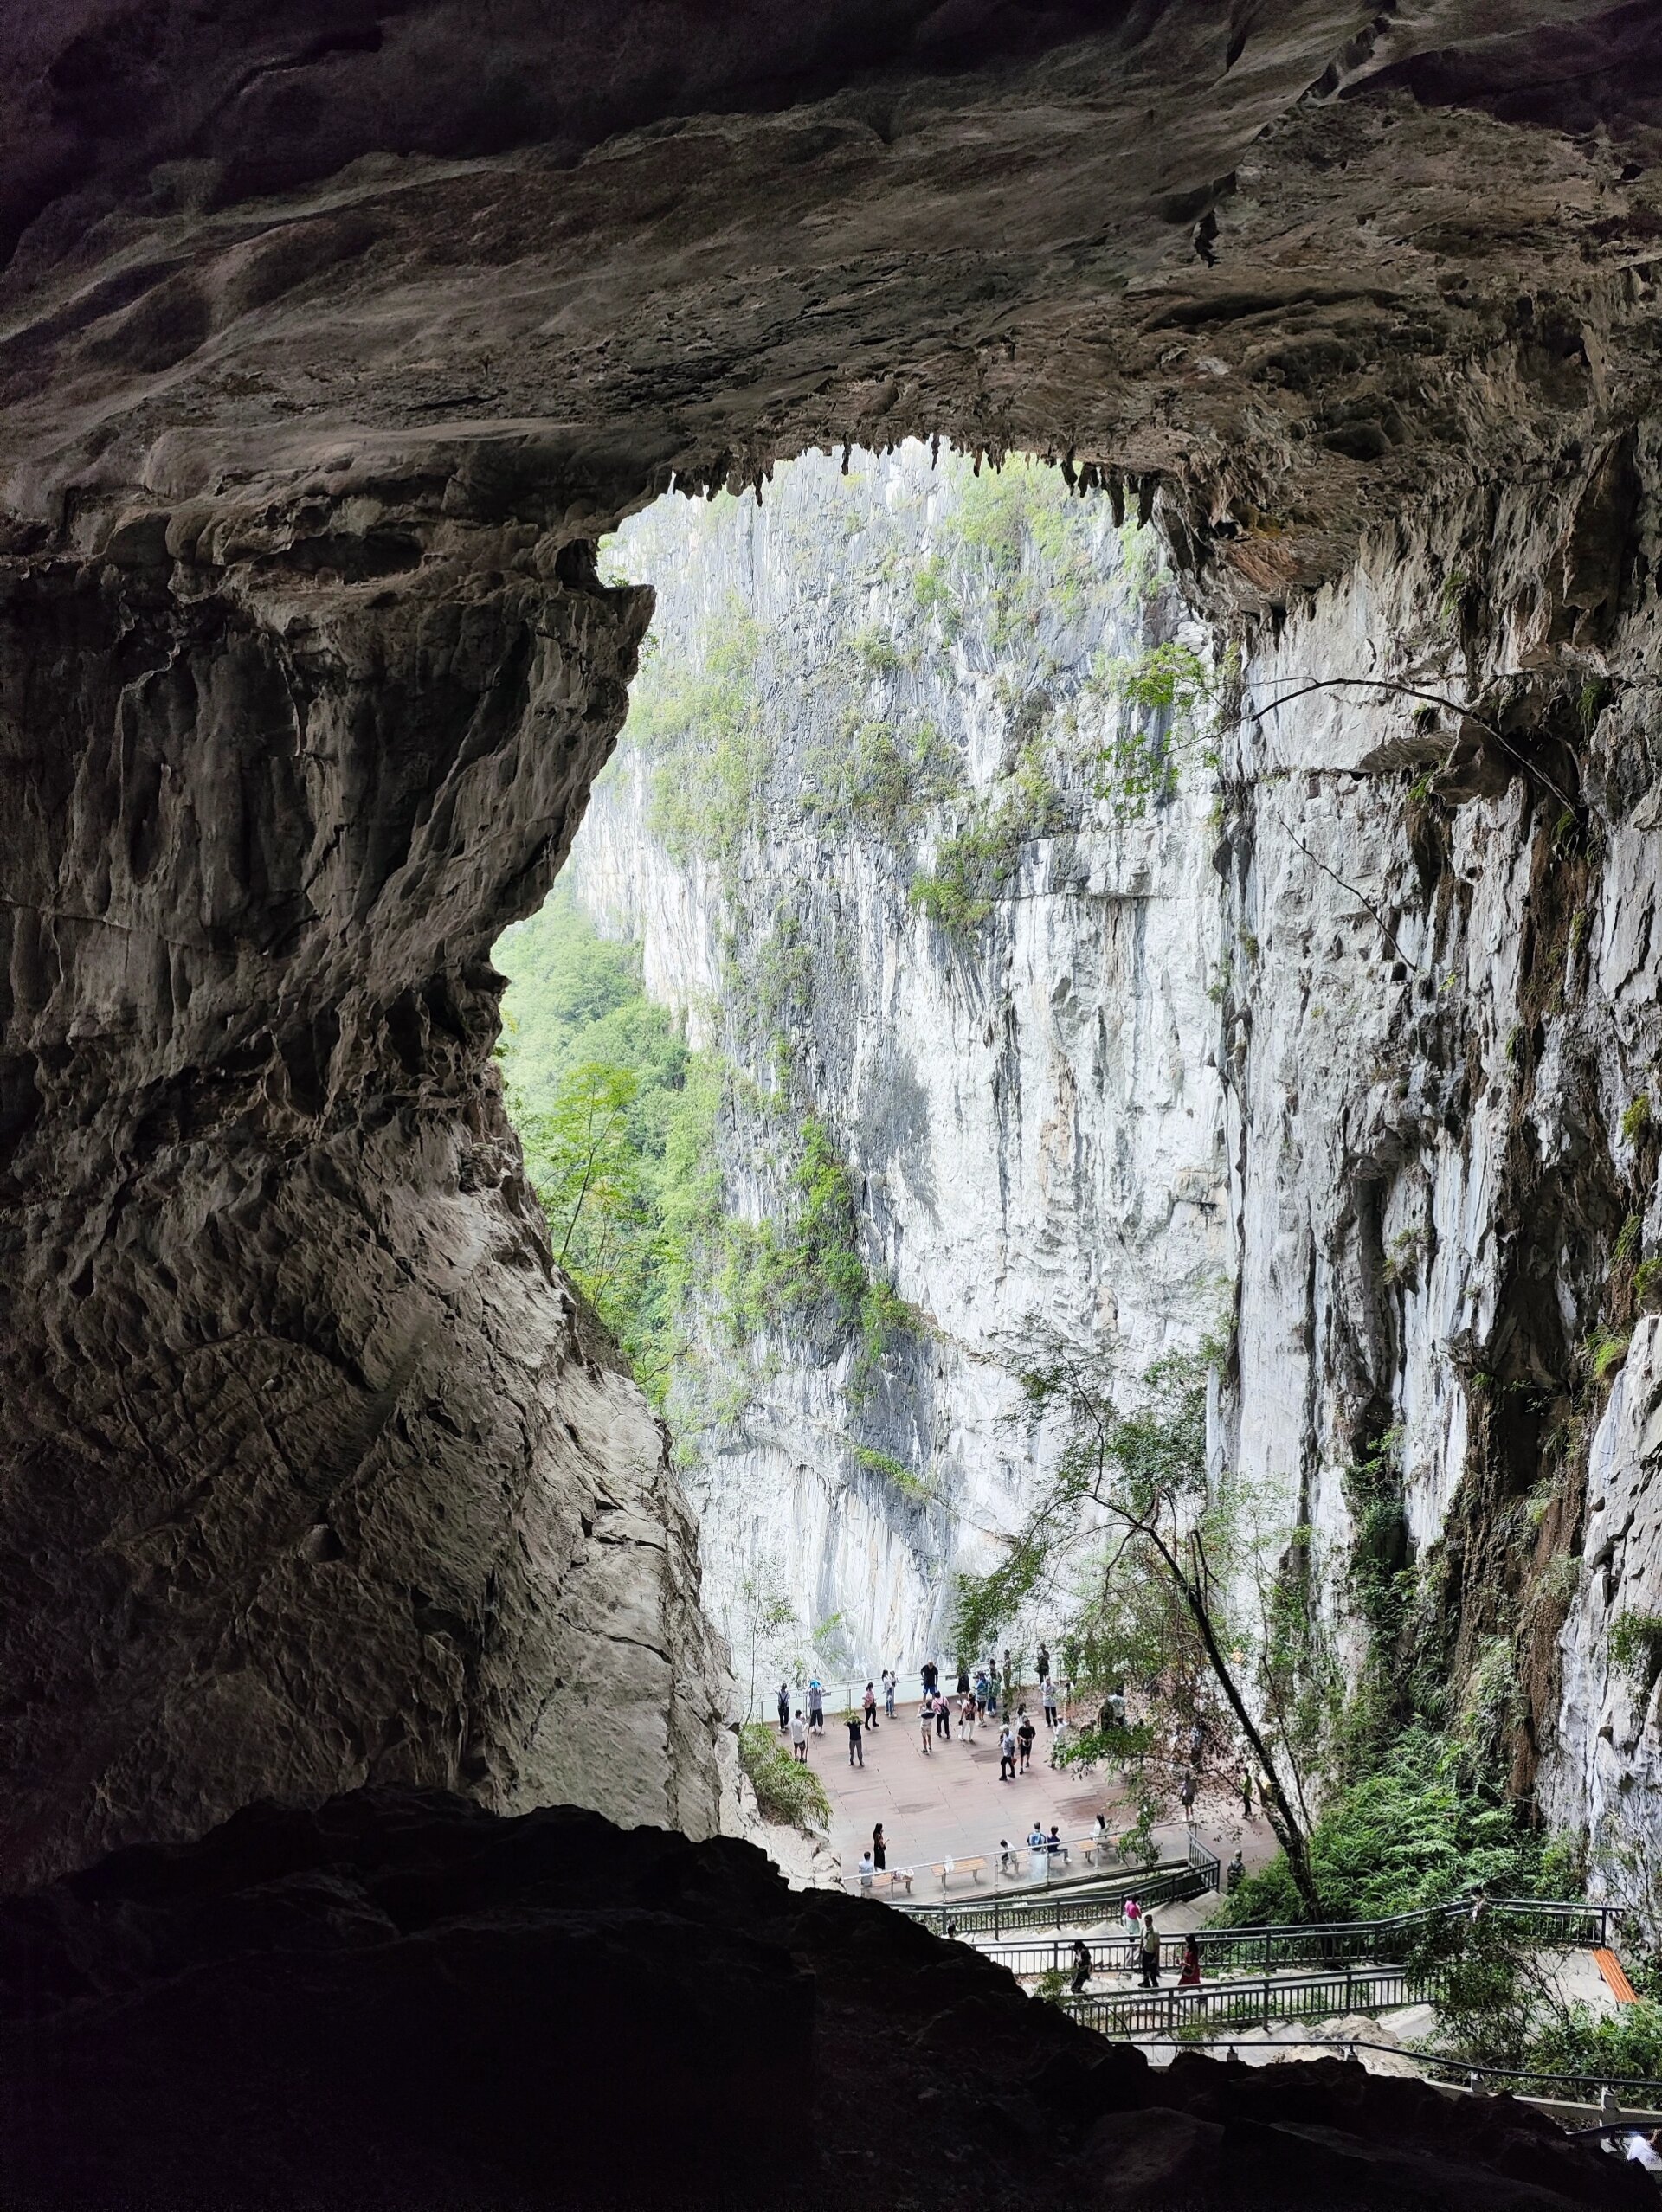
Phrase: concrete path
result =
(951, 1804)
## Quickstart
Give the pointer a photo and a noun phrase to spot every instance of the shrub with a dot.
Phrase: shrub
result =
(1636, 1645)
(788, 1792)
(1605, 1350)
(1637, 1118)
(1647, 1285)
(1416, 1831)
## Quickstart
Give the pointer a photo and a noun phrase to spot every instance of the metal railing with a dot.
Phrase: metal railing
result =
(1466, 2073)
(1081, 1906)
(1243, 2005)
(1568, 1926)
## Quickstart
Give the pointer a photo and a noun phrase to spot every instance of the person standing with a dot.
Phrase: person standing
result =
(1024, 1736)
(856, 1739)
(1131, 1914)
(1247, 1791)
(816, 1707)
(1047, 1691)
(866, 1869)
(1081, 1967)
(799, 1737)
(926, 1718)
(1235, 1875)
(932, 1676)
(1043, 1660)
(1186, 1797)
(966, 1720)
(1148, 1943)
(1006, 1755)
(944, 1716)
(871, 1707)
(784, 1709)
(962, 1686)
(880, 1849)
(992, 1686)
(1189, 1978)
(888, 1693)
(981, 1695)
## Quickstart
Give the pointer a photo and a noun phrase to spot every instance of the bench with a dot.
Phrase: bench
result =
(887, 1883)
(947, 1867)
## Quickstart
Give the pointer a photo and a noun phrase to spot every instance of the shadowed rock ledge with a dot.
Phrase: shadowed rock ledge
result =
(399, 2000)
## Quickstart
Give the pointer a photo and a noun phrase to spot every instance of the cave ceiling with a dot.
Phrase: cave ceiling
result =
(1282, 265)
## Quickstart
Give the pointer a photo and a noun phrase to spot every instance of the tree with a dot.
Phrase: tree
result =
(1130, 1516)
(767, 1619)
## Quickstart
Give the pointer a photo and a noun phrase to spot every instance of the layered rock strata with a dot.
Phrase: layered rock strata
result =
(314, 1470)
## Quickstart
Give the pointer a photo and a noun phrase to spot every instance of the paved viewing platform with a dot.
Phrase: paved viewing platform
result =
(949, 1803)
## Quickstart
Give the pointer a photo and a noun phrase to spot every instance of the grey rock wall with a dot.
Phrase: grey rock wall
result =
(312, 1474)
(1031, 1109)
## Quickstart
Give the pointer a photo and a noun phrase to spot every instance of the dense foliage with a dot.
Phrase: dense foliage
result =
(1417, 1831)
(787, 1790)
(618, 1117)
(618, 1120)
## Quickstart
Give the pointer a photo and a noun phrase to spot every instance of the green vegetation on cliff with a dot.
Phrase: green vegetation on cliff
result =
(618, 1117)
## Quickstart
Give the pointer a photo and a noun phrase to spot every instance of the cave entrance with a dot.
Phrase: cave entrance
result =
(863, 1055)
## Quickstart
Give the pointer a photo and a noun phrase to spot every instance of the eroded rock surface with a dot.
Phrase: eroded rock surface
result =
(399, 2000)
(326, 344)
(312, 1471)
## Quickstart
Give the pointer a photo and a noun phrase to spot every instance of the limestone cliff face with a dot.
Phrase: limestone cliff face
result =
(1442, 1028)
(1029, 1106)
(1350, 1063)
(383, 1508)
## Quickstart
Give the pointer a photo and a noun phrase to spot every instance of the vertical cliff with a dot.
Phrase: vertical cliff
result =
(887, 883)
(1338, 1042)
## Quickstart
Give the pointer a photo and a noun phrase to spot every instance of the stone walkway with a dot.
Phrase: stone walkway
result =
(951, 1804)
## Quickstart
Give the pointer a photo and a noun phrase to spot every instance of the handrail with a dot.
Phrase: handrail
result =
(1445, 2064)
(1289, 1944)
(1078, 1905)
(1371, 1988)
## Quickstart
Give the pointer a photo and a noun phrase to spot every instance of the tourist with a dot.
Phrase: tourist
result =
(1043, 1662)
(1641, 2148)
(1061, 1737)
(1081, 1967)
(871, 1707)
(981, 1695)
(1006, 1756)
(784, 1709)
(1024, 1736)
(926, 1716)
(880, 1849)
(1055, 1846)
(1101, 1829)
(1148, 1947)
(962, 1686)
(966, 1720)
(816, 1707)
(856, 1739)
(1186, 1797)
(799, 1737)
(1038, 1857)
(931, 1677)
(944, 1716)
(992, 1688)
(1197, 1743)
(1235, 1875)
(1006, 1857)
(1189, 1978)
(868, 1868)
(1131, 1914)
(890, 1685)
(1047, 1692)
(1247, 1791)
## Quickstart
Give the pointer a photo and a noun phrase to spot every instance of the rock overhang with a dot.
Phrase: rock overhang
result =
(1281, 273)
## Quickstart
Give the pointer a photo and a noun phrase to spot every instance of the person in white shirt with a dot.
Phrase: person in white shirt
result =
(866, 1869)
(1642, 2150)
(799, 1736)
